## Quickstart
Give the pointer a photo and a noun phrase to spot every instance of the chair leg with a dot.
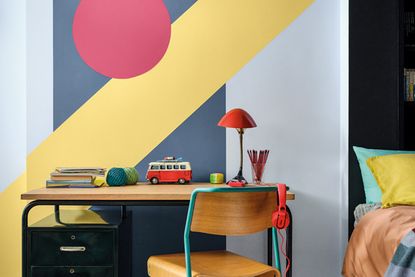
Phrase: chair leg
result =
(268, 274)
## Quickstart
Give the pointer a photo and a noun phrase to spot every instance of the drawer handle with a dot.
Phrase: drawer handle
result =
(73, 248)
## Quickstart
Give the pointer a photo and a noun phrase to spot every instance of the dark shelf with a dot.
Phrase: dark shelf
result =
(408, 108)
(378, 116)
(409, 125)
(375, 83)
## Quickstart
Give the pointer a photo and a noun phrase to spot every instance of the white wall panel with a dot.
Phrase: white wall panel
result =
(12, 90)
(292, 90)
(39, 72)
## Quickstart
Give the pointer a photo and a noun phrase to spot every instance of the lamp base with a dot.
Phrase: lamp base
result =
(238, 179)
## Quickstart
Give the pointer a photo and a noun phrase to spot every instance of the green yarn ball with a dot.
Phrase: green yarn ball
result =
(132, 175)
(116, 177)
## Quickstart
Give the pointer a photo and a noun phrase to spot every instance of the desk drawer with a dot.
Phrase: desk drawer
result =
(73, 248)
(67, 271)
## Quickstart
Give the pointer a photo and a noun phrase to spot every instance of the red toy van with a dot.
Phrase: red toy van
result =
(169, 170)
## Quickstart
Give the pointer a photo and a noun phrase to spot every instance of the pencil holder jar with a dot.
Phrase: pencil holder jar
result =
(258, 161)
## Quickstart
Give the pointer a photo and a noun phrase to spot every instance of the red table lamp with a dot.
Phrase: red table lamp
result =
(240, 120)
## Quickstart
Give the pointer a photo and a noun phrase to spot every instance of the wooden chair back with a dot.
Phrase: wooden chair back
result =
(233, 213)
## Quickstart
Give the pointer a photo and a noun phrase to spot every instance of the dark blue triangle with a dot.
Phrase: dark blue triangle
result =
(198, 140)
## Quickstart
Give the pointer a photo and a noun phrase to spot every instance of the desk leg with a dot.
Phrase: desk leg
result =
(25, 246)
(269, 243)
(289, 233)
(24, 242)
(123, 212)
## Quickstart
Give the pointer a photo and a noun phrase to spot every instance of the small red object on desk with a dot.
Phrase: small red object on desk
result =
(236, 184)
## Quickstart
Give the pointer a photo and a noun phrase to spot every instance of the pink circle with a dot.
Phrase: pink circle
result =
(121, 38)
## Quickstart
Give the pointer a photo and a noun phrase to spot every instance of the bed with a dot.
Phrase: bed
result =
(383, 239)
(375, 240)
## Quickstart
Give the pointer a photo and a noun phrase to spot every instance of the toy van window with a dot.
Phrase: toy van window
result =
(182, 166)
(175, 166)
(162, 167)
(169, 167)
(154, 167)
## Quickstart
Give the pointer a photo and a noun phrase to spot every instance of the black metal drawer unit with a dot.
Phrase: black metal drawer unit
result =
(81, 244)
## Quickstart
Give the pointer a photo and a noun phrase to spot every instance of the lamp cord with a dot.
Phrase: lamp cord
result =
(284, 253)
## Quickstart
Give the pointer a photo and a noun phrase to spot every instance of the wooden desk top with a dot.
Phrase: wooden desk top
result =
(141, 191)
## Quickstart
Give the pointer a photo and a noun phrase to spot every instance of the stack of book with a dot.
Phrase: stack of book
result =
(76, 177)
(409, 84)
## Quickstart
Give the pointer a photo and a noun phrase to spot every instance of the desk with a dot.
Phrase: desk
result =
(142, 194)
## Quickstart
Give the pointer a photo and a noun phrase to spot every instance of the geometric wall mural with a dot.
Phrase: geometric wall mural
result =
(170, 109)
(121, 38)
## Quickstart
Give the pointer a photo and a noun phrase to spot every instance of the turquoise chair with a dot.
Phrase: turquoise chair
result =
(228, 212)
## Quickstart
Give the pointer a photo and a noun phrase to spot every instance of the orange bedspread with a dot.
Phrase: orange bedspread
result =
(375, 239)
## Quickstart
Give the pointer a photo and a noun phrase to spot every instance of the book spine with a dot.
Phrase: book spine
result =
(406, 86)
(409, 83)
(71, 178)
(411, 92)
(56, 186)
(70, 186)
(72, 182)
(411, 86)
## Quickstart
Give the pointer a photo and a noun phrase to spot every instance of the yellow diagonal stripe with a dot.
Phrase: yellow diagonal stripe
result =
(126, 119)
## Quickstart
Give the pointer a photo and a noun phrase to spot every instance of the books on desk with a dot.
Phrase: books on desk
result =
(76, 177)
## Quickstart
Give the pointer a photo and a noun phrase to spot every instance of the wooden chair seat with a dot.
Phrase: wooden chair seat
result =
(209, 264)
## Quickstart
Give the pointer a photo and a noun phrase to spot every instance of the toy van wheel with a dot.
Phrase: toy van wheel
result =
(182, 181)
(154, 181)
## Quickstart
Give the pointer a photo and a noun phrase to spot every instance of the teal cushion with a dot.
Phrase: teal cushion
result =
(372, 190)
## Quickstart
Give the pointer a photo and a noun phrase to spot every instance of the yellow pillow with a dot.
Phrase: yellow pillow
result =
(395, 175)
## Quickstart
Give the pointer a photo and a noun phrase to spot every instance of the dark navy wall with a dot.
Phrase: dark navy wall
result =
(74, 82)
(198, 140)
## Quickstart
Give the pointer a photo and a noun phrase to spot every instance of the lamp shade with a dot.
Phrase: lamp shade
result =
(237, 118)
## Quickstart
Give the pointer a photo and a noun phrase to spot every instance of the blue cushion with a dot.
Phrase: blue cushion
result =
(372, 190)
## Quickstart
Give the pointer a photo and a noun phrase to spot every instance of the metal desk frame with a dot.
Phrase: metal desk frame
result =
(123, 204)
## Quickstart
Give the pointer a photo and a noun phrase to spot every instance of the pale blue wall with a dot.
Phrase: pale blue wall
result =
(12, 90)
(292, 90)
(39, 42)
